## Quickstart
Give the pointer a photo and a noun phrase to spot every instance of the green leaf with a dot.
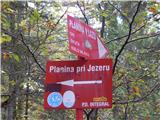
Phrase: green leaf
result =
(16, 57)
(5, 22)
(44, 50)
(141, 81)
(50, 38)
(5, 38)
(104, 14)
(36, 14)
(34, 17)
(12, 82)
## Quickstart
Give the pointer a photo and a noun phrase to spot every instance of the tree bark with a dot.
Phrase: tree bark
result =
(12, 100)
(94, 114)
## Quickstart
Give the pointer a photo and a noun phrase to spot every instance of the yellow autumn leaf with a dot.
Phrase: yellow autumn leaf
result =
(6, 56)
(40, 108)
(5, 38)
(138, 94)
(22, 23)
(9, 10)
(152, 9)
(136, 91)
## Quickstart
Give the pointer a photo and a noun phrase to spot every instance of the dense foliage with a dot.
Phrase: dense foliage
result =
(34, 32)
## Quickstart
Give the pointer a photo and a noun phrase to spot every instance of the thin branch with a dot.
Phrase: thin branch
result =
(126, 112)
(131, 33)
(135, 79)
(103, 22)
(127, 39)
(88, 113)
(139, 99)
(53, 42)
(119, 11)
(61, 16)
(5, 95)
(128, 93)
(43, 42)
(83, 13)
(22, 93)
(22, 39)
(48, 33)
(103, 25)
(125, 35)
(142, 38)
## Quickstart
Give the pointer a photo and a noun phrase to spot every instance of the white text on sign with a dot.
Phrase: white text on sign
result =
(81, 28)
(95, 104)
(78, 69)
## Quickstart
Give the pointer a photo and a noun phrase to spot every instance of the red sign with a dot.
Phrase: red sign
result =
(78, 84)
(84, 40)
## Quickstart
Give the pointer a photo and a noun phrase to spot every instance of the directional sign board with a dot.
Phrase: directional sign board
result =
(78, 84)
(84, 40)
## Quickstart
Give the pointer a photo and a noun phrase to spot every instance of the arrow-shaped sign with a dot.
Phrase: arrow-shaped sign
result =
(101, 49)
(72, 82)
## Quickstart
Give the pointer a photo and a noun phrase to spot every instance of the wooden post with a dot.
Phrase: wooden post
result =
(79, 112)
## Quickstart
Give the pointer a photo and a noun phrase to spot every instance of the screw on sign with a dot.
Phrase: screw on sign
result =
(78, 84)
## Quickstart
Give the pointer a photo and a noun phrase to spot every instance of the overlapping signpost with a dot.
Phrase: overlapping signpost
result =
(83, 83)
(84, 40)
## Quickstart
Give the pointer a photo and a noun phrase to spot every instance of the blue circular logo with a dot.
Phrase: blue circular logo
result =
(54, 99)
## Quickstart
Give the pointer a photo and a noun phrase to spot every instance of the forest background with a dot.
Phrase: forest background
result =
(33, 32)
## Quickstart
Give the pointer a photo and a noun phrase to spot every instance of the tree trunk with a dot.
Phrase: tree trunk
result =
(94, 114)
(11, 108)
(12, 99)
